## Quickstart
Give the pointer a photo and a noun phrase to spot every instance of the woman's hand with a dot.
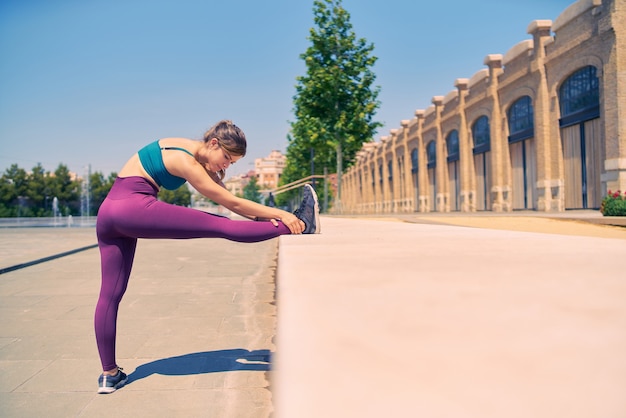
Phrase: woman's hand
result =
(291, 221)
(295, 226)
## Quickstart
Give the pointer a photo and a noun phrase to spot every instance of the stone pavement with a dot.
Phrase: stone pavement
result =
(418, 315)
(194, 334)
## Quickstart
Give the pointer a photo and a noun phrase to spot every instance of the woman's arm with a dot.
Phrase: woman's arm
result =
(203, 182)
(248, 208)
(216, 178)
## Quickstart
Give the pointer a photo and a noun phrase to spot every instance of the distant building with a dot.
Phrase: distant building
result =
(236, 184)
(269, 169)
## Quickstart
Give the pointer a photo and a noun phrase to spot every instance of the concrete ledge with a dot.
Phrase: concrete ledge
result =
(381, 318)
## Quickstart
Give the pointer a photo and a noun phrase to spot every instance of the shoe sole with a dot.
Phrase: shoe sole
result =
(316, 207)
(107, 390)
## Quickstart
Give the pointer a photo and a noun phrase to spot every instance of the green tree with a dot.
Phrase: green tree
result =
(336, 100)
(251, 190)
(66, 190)
(13, 190)
(180, 196)
(32, 194)
(37, 191)
(99, 188)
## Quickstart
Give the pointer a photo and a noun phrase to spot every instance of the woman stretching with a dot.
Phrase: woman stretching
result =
(131, 211)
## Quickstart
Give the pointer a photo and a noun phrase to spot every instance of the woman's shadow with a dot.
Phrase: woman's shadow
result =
(205, 362)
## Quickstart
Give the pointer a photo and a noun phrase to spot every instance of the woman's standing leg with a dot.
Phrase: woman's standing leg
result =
(117, 256)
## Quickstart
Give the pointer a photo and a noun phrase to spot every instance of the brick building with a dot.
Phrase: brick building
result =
(537, 129)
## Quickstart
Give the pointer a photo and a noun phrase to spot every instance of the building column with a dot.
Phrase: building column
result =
(386, 192)
(407, 183)
(371, 182)
(394, 189)
(500, 165)
(348, 190)
(422, 164)
(352, 195)
(371, 176)
(546, 126)
(468, 194)
(613, 103)
(362, 181)
(441, 194)
(380, 177)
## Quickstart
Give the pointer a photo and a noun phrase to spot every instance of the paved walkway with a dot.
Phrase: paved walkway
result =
(394, 317)
(195, 331)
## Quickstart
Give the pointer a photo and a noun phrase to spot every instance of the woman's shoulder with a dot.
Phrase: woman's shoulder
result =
(179, 142)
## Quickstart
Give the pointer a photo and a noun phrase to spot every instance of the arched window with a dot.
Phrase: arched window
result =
(521, 121)
(360, 178)
(481, 135)
(579, 97)
(390, 169)
(522, 153)
(482, 145)
(579, 100)
(452, 144)
(414, 161)
(380, 173)
(431, 153)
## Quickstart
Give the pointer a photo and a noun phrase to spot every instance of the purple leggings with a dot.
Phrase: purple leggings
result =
(130, 211)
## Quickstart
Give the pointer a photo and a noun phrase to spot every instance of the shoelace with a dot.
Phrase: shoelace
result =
(119, 370)
(302, 206)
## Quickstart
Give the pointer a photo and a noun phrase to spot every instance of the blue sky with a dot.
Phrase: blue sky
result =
(89, 82)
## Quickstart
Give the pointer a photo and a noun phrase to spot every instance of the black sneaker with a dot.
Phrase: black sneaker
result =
(309, 211)
(109, 384)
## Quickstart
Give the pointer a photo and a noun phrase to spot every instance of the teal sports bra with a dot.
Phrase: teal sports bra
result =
(152, 161)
